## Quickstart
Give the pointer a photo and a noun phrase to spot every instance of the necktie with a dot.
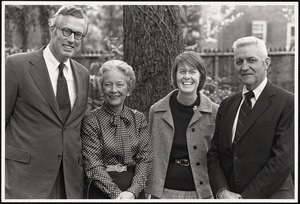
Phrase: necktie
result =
(243, 115)
(122, 139)
(62, 94)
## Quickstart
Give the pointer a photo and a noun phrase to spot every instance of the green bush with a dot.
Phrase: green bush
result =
(217, 90)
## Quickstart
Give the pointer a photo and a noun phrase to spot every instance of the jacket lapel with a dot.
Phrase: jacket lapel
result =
(163, 106)
(232, 110)
(79, 89)
(168, 118)
(40, 75)
(205, 106)
(259, 108)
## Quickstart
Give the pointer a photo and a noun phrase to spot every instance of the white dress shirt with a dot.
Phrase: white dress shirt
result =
(257, 91)
(52, 66)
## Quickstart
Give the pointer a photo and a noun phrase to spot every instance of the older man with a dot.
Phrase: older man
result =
(252, 150)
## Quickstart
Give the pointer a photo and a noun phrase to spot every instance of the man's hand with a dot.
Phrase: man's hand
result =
(226, 194)
(126, 195)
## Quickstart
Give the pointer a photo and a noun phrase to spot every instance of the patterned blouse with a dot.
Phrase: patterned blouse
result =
(101, 147)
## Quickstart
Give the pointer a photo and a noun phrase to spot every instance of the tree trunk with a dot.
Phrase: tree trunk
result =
(8, 29)
(23, 27)
(152, 40)
(44, 15)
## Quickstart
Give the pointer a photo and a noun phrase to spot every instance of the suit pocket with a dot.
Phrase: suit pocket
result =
(17, 154)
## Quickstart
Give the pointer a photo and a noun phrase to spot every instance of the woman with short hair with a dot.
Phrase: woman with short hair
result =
(181, 126)
(117, 150)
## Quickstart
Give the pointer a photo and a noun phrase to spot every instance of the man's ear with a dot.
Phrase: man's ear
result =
(267, 62)
(52, 30)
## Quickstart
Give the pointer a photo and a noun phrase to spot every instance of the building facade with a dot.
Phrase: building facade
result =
(269, 23)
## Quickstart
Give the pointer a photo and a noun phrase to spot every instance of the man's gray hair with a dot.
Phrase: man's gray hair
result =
(68, 11)
(251, 40)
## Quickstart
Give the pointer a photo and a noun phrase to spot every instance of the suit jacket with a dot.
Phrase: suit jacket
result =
(259, 165)
(36, 140)
(199, 134)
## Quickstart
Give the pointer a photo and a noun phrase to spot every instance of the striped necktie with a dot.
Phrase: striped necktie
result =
(243, 115)
(62, 94)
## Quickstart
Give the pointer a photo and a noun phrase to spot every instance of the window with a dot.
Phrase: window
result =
(290, 41)
(259, 30)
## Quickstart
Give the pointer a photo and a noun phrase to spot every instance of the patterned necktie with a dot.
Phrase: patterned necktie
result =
(62, 94)
(122, 139)
(243, 115)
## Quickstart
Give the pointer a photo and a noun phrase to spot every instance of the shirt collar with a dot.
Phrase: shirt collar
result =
(258, 90)
(50, 57)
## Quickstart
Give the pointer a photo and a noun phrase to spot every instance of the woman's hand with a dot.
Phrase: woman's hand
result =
(126, 195)
(225, 194)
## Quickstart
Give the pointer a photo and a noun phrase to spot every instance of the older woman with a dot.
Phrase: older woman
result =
(115, 138)
(181, 126)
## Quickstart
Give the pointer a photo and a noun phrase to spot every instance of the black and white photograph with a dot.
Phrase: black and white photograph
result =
(149, 101)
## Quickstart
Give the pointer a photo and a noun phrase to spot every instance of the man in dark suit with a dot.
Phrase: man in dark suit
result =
(45, 99)
(252, 155)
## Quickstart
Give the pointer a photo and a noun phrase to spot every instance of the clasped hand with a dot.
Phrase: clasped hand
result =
(225, 194)
(126, 195)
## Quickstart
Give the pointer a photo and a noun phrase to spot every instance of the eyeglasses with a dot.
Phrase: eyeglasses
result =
(67, 32)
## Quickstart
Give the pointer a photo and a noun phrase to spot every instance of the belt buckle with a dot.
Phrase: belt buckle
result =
(183, 162)
(120, 168)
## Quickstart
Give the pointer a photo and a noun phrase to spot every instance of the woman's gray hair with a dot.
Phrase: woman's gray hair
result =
(123, 67)
(68, 11)
(251, 40)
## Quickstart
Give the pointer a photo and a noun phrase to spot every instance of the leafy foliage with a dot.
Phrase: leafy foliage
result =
(202, 23)
(105, 23)
(217, 90)
(24, 19)
(289, 13)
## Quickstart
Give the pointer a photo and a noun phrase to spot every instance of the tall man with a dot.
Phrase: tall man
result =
(45, 99)
(252, 150)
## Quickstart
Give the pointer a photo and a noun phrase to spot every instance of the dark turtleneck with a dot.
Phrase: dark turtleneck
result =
(179, 177)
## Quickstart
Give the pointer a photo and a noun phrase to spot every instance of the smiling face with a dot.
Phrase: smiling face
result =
(64, 47)
(115, 89)
(251, 64)
(188, 79)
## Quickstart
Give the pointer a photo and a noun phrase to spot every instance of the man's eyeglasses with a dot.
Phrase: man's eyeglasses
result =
(67, 32)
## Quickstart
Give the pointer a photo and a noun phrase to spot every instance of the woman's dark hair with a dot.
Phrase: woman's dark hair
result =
(192, 59)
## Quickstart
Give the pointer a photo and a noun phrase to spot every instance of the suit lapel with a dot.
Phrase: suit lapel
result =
(232, 110)
(40, 75)
(259, 108)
